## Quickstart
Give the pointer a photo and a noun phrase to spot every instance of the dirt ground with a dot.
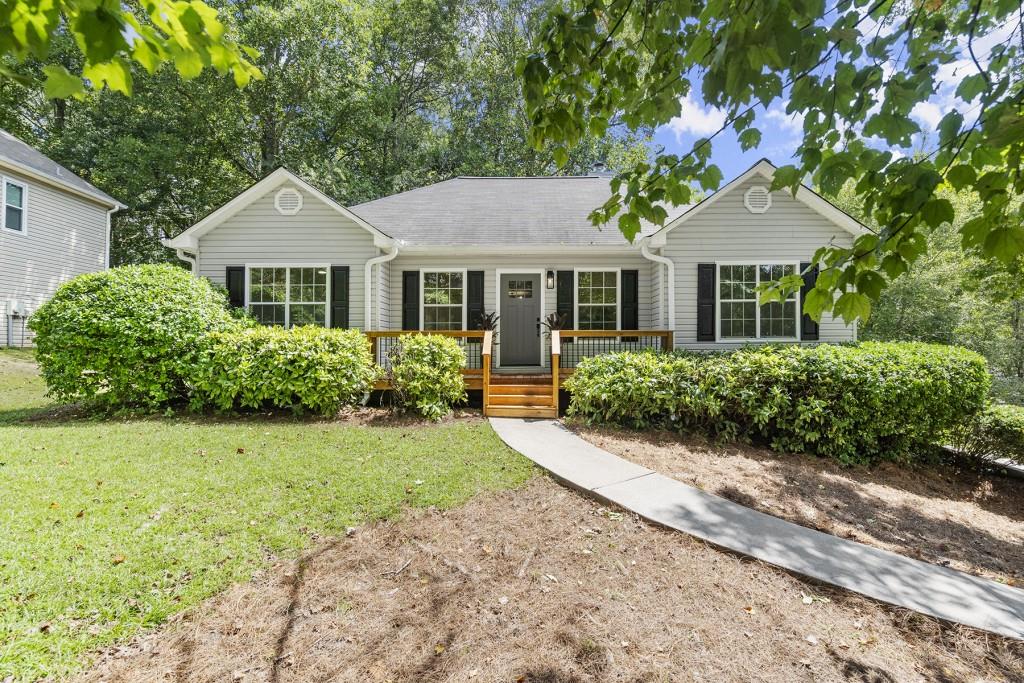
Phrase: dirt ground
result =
(940, 514)
(544, 585)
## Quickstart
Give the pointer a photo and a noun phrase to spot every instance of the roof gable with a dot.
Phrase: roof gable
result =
(189, 239)
(766, 169)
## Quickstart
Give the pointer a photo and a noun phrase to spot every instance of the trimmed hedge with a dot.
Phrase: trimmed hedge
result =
(304, 369)
(127, 337)
(426, 374)
(857, 403)
(995, 432)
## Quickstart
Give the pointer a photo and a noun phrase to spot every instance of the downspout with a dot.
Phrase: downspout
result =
(368, 291)
(106, 255)
(187, 259)
(671, 274)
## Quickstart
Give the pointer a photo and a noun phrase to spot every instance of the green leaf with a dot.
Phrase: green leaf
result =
(749, 139)
(937, 211)
(960, 176)
(1005, 243)
(853, 306)
(561, 156)
(629, 225)
(870, 284)
(971, 87)
(61, 84)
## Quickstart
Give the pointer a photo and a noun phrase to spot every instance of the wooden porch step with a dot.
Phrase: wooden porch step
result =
(521, 411)
(520, 379)
(521, 390)
(519, 400)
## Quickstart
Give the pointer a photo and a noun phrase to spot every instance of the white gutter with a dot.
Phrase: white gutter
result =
(368, 291)
(671, 268)
(187, 259)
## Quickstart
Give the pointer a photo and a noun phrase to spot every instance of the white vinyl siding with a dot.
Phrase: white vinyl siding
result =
(64, 236)
(315, 236)
(726, 232)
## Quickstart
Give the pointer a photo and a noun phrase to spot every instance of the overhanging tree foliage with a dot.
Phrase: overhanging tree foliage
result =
(852, 69)
(363, 98)
(111, 36)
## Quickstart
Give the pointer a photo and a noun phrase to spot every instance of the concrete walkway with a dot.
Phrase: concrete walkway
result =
(930, 589)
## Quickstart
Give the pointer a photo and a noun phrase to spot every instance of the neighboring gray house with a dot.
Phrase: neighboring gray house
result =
(438, 257)
(53, 226)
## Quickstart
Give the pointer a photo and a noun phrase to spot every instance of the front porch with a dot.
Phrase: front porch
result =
(524, 391)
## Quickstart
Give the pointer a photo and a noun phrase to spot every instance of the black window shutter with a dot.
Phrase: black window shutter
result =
(808, 327)
(564, 300)
(410, 299)
(339, 296)
(630, 306)
(706, 278)
(234, 279)
(474, 299)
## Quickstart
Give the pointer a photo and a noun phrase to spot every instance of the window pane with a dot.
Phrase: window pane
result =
(442, 318)
(308, 314)
(268, 314)
(266, 285)
(738, 320)
(778, 319)
(15, 196)
(737, 282)
(14, 218)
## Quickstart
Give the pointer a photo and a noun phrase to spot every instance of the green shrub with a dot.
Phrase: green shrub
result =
(857, 403)
(127, 337)
(426, 374)
(304, 369)
(995, 432)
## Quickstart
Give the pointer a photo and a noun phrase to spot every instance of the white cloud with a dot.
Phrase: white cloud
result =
(696, 120)
(790, 124)
(928, 114)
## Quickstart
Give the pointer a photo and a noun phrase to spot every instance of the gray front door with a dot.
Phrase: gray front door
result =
(520, 319)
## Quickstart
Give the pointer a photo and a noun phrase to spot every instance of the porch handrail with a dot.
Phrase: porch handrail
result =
(485, 361)
(556, 354)
(375, 335)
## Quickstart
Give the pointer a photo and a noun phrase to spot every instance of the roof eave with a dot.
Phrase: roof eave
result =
(61, 184)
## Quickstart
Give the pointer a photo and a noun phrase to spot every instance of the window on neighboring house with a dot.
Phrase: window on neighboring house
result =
(288, 296)
(14, 206)
(597, 300)
(443, 300)
(740, 316)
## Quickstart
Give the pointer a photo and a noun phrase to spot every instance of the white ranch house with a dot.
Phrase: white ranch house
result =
(435, 259)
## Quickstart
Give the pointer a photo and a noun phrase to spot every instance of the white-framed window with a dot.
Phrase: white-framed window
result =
(14, 201)
(739, 314)
(288, 295)
(443, 304)
(597, 299)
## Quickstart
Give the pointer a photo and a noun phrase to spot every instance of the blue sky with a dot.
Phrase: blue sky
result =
(780, 133)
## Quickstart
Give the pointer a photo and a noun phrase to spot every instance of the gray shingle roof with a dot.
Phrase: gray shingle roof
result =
(500, 212)
(21, 155)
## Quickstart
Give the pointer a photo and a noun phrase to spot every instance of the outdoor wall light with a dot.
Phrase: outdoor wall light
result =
(551, 279)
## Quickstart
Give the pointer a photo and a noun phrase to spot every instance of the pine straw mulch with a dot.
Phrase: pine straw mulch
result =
(939, 513)
(541, 584)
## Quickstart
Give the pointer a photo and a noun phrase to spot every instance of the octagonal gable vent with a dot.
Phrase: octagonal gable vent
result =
(757, 199)
(288, 201)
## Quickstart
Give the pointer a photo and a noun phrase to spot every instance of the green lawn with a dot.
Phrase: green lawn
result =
(109, 526)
